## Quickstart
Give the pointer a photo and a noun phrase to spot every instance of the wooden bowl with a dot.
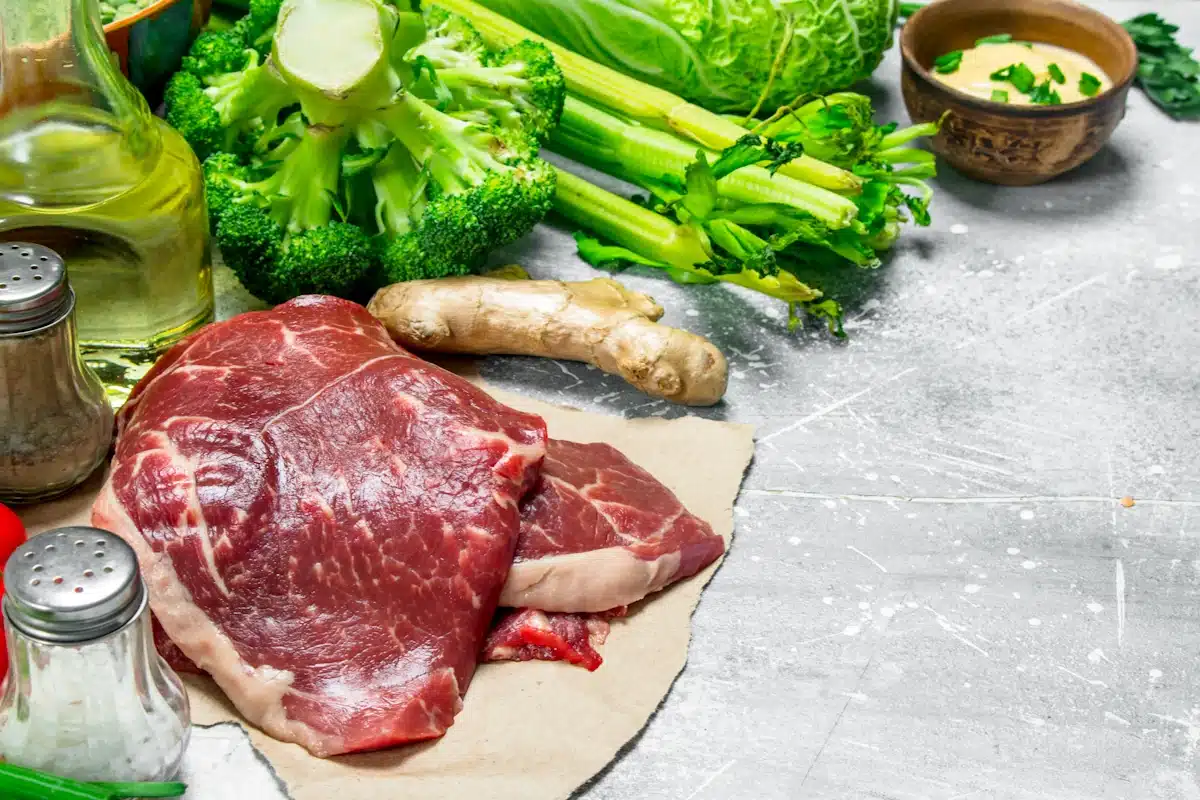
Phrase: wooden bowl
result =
(151, 43)
(1007, 144)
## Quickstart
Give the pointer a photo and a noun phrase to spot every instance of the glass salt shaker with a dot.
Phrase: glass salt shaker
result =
(56, 424)
(87, 695)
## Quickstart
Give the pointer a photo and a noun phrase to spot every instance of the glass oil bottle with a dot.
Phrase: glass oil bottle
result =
(87, 171)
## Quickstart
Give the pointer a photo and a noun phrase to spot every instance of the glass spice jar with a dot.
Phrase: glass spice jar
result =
(56, 424)
(87, 696)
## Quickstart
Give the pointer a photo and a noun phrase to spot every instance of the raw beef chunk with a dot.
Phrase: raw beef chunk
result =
(601, 532)
(324, 521)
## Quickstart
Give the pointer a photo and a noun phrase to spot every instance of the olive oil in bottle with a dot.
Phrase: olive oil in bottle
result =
(87, 171)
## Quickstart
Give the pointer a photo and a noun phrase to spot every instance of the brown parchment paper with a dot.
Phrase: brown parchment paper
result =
(534, 730)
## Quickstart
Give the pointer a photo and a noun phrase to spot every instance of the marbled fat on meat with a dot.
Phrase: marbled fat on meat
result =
(324, 521)
(601, 532)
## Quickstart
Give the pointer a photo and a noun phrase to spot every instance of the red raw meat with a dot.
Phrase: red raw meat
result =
(324, 521)
(601, 532)
(528, 635)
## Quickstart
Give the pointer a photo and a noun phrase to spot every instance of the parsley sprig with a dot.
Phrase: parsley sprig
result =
(1166, 69)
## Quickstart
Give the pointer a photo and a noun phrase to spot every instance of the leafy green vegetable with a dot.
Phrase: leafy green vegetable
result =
(732, 56)
(999, 38)
(1056, 74)
(999, 96)
(1089, 85)
(948, 63)
(817, 189)
(1167, 71)
(1019, 75)
(1044, 95)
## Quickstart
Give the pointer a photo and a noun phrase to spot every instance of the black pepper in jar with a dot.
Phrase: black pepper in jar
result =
(55, 421)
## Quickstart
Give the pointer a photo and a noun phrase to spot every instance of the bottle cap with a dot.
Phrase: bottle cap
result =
(72, 585)
(34, 292)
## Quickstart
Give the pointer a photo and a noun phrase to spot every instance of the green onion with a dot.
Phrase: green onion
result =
(20, 783)
(1023, 78)
(142, 790)
(999, 38)
(1018, 75)
(1089, 85)
(1044, 95)
(999, 96)
(1056, 74)
(948, 63)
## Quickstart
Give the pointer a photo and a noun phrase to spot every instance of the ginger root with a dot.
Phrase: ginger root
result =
(598, 322)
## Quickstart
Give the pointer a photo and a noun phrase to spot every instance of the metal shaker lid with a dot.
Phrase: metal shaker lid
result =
(34, 291)
(72, 585)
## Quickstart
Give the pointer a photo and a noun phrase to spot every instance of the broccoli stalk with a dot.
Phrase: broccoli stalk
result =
(637, 101)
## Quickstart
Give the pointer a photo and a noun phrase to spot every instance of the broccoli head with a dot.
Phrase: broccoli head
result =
(215, 53)
(402, 151)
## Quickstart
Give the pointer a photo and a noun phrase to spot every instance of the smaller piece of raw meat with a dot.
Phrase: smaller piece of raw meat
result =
(530, 635)
(600, 532)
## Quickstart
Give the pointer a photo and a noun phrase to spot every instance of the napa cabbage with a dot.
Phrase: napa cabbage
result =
(725, 55)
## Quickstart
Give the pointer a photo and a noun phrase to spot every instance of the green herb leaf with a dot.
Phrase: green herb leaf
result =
(1044, 95)
(753, 149)
(999, 38)
(1089, 85)
(1023, 78)
(1019, 75)
(999, 96)
(1167, 72)
(702, 194)
(1026, 45)
(948, 63)
(1056, 74)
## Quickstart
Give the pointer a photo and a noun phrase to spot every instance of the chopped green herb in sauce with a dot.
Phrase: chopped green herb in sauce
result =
(999, 96)
(1019, 75)
(1044, 95)
(1089, 85)
(1057, 74)
(999, 38)
(948, 63)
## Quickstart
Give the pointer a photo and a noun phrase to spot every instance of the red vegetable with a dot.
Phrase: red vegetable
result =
(12, 536)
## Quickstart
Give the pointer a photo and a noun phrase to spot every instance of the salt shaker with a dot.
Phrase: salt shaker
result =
(87, 695)
(56, 423)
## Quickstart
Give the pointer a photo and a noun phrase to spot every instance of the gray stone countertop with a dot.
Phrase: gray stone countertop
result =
(934, 590)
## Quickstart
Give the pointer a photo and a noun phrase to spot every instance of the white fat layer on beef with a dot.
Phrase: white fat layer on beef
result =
(594, 581)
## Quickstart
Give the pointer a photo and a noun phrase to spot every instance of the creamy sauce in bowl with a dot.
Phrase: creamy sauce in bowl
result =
(1021, 73)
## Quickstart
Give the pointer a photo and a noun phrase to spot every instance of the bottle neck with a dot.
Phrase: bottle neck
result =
(57, 66)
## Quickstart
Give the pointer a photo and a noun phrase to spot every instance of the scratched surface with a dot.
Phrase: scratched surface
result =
(935, 592)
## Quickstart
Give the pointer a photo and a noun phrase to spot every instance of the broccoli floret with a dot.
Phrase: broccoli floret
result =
(258, 26)
(450, 40)
(229, 111)
(484, 191)
(219, 170)
(336, 170)
(191, 112)
(215, 53)
(521, 88)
